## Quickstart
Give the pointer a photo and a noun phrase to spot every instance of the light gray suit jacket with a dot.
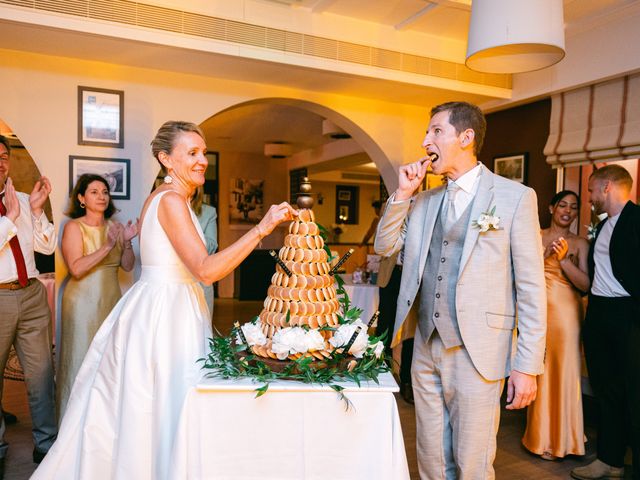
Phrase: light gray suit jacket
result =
(501, 275)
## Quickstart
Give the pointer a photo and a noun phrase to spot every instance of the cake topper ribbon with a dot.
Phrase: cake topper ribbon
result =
(351, 340)
(279, 261)
(241, 335)
(373, 319)
(340, 262)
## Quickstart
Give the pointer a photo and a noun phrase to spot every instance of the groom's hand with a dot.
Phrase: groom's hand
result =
(521, 390)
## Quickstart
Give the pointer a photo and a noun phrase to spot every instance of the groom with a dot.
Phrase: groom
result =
(472, 277)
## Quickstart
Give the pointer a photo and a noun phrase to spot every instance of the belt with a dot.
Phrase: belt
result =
(16, 285)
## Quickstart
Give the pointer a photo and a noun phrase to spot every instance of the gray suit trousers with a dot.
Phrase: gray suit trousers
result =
(25, 323)
(457, 413)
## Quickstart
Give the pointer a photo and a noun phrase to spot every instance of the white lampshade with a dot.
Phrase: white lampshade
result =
(513, 36)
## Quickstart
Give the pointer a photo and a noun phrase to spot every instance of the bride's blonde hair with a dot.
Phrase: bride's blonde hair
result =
(165, 139)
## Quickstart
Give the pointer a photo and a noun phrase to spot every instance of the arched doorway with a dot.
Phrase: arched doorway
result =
(259, 142)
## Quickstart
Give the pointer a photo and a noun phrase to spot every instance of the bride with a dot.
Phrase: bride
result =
(122, 413)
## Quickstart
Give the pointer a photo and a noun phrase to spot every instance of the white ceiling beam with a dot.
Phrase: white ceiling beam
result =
(459, 4)
(321, 5)
(409, 20)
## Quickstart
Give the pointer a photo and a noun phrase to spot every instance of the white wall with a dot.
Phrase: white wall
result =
(40, 105)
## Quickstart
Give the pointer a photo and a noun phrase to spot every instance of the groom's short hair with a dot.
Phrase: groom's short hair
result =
(463, 115)
(615, 174)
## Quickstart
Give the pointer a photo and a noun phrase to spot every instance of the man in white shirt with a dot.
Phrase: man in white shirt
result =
(26, 318)
(611, 329)
(470, 253)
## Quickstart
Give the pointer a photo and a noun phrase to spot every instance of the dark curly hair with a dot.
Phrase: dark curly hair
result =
(560, 195)
(74, 210)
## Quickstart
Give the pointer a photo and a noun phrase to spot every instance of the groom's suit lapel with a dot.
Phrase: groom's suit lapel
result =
(430, 217)
(481, 203)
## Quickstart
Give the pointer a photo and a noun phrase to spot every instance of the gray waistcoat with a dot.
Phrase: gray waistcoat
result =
(438, 290)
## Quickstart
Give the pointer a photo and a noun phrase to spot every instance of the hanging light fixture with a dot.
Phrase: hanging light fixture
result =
(514, 36)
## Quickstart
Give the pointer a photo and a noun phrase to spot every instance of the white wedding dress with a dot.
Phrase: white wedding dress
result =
(124, 407)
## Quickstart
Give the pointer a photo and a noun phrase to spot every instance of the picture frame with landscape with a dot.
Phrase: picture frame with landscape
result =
(513, 167)
(116, 171)
(100, 117)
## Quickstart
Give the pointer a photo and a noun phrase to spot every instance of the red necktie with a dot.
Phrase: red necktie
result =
(23, 278)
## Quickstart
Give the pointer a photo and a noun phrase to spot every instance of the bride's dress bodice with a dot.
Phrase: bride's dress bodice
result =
(160, 261)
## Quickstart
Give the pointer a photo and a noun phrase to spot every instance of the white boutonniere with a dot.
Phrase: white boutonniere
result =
(592, 228)
(487, 221)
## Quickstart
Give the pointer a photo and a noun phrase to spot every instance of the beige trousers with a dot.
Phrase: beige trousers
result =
(457, 413)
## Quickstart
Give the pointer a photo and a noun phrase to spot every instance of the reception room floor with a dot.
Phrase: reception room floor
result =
(512, 461)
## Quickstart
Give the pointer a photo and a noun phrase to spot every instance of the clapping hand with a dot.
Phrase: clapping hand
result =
(39, 195)
(114, 231)
(130, 230)
(11, 202)
(558, 247)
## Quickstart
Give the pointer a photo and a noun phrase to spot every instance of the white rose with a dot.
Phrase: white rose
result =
(292, 340)
(495, 222)
(344, 333)
(378, 348)
(253, 334)
(298, 340)
(315, 340)
(281, 343)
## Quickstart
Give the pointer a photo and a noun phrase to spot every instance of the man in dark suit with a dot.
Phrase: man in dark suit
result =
(612, 325)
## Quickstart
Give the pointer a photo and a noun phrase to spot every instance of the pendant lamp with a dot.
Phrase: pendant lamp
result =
(514, 36)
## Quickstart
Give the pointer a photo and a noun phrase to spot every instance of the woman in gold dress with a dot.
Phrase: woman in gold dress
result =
(93, 247)
(554, 420)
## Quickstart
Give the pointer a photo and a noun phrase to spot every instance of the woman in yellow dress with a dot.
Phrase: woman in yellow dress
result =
(93, 247)
(554, 420)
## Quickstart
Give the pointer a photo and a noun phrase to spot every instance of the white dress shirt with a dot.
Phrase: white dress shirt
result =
(468, 184)
(605, 283)
(33, 234)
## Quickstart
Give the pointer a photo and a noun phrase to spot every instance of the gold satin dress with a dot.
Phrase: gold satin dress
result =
(86, 302)
(554, 419)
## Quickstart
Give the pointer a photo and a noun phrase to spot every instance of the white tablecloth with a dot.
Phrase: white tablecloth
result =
(364, 296)
(295, 431)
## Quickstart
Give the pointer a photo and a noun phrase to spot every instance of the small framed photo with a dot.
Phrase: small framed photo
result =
(513, 167)
(344, 195)
(116, 171)
(100, 117)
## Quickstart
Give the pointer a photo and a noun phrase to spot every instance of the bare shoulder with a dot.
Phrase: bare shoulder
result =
(172, 200)
(72, 225)
(580, 242)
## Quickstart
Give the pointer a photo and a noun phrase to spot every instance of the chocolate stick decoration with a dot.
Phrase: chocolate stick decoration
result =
(342, 260)
(279, 261)
(351, 340)
(373, 319)
(242, 337)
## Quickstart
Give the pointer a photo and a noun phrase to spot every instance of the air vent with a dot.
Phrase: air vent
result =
(215, 28)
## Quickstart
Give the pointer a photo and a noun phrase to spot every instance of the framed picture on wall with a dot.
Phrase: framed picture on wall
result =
(100, 117)
(347, 204)
(116, 171)
(513, 167)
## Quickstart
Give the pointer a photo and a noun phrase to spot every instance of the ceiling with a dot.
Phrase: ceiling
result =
(247, 128)
(442, 18)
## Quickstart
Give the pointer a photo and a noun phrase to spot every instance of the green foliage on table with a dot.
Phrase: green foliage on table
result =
(229, 359)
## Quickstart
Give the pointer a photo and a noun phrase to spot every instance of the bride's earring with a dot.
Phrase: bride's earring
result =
(168, 179)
